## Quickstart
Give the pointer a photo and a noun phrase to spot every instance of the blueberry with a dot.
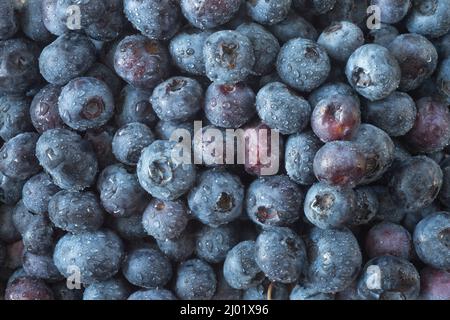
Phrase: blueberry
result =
(134, 106)
(110, 24)
(75, 211)
(17, 156)
(186, 50)
(367, 206)
(431, 130)
(444, 194)
(161, 175)
(128, 228)
(108, 76)
(141, 62)
(96, 255)
(431, 240)
(86, 103)
(392, 11)
(27, 288)
(101, 141)
(8, 232)
(8, 20)
(294, 26)
(303, 64)
(309, 293)
(443, 79)
(41, 267)
(44, 109)
(22, 217)
(14, 116)
(336, 118)
(130, 140)
(317, 6)
(281, 255)
(299, 156)
(165, 219)
(147, 268)
(334, 259)
(394, 114)
(384, 35)
(346, 10)
(38, 236)
(213, 244)
(208, 14)
(430, 18)
(267, 291)
(265, 46)
(268, 11)
(274, 201)
(373, 72)
(417, 58)
(329, 207)
(112, 289)
(388, 238)
(37, 192)
(152, 294)
(68, 57)
(20, 70)
(282, 109)
(165, 129)
(416, 183)
(32, 23)
(68, 158)
(389, 208)
(389, 278)
(411, 219)
(329, 89)
(229, 105)
(341, 39)
(340, 163)
(224, 291)
(195, 280)
(434, 284)
(217, 198)
(10, 189)
(179, 249)
(156, 19)
(177, 99)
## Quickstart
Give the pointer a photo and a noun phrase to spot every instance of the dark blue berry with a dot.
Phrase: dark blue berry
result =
(195, 280)
(111, 289)
(213, 244)
(37, 192)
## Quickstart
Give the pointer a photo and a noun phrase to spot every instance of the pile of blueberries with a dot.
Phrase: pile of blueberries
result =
(94, 205)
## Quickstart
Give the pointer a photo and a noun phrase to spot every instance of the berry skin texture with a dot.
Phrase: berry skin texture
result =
(134, 106)
(152, 294)
(265, 46)
(341, 39)
(268, 12)
(388, 238)
(373, 72)
(20, 70)
(178, 249)
(208, 14)
(394, 114)
(177, 99)
(392, 11)
(155, 19)
(329, 207)
(367, 206)
(240, 269)
(444, 194)
(331, 89)
(10, 189)
(147, 268)
(44, 109)
(282, 109)
(303, 64)
(299, 156)
(129, 141)
(161, 175)
(67, 158)
(434, 284)
(443, 79)
(41, 267)
(195, 280)
(186, 50)
(274, 201)
(27, 288)
(229, 105)
(229, 57)
(112, 289)
(75, 211)
(340, 163)
(389, 278)
(85, 103)
(37, 192)
(293, 27)
(431, 131)
(217, 198)
(212, 244)
(430, 18)
(334, 259)
(68, 57)
(32, 22)
(120, 192)
(336, 118)
(8, 20)
(417, 58)
(141, 62)
(14, 116)
(281, 254)
(165, 219)
(416, 183)
(101, 141)
(38, 237)
(98, 255)
(431, 238)
(8, 232)
(383, 36)
(17, 157)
